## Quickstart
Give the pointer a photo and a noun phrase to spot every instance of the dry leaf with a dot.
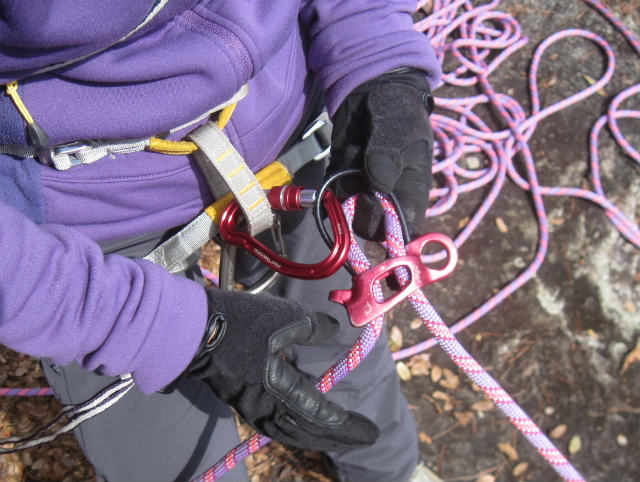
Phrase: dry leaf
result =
(556, 221)
(509, 450)
(464, 417)
(463, 222)
(420, 367)
(591, 81)
(451, 380)
(559, 431)
(448, 406)
(486, 478)
(630, 306)
(438, 395)
(424, 438)
(415, 323)
(482, 406)
(436, 373)
(501, 225)
(632, 357)
(403, 371)
(395, 335)
(520, 469)
(575, 444)
(473, 162)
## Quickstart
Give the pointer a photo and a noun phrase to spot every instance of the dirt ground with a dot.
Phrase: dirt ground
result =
(558, 345)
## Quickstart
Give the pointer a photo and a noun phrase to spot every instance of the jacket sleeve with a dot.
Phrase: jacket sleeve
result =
(61, 298)
(353, 41)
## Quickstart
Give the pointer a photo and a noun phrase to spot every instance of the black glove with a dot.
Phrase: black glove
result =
(383, 128)
(242, 359)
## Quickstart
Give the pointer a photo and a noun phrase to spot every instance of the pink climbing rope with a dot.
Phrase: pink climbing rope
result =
(474, 41)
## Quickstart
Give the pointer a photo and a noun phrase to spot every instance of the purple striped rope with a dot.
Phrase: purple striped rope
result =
(25, 392)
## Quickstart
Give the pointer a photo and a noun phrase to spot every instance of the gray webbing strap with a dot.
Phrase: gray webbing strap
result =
(19, 150)
(174, 253)
(314, 145)
(225, 170)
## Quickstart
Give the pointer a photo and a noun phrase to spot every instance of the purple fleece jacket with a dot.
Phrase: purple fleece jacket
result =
(59, 296)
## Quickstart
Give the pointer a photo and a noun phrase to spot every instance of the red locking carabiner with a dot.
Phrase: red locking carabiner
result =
(288, 198)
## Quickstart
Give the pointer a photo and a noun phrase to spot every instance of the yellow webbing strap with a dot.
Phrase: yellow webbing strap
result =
(179, 148)
(275, 174)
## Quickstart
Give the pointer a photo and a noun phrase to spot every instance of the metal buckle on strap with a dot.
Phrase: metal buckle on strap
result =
(47, 155)
(322, 135)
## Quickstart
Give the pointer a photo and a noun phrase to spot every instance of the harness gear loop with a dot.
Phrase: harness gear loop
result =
(178, 148)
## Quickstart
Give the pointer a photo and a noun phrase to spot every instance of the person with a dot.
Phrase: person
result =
(74, 289)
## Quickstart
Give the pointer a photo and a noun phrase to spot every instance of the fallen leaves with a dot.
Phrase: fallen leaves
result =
(486, 478)
(436, 373)
(575, 444)
(57, 461)
(591, 81)
(520, 469)
(509, 450)
(632, 357)
(416, 323)
(482, 406)
(420, 365)
(403, 371)
(451, 380)
(501, 225)
(558, 431)
(395, 338)
(465, 418)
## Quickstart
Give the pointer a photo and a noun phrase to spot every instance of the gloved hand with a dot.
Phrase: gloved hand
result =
(383, 128)
(242, 358)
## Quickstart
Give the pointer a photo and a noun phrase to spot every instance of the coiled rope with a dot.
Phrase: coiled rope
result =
(459, 28)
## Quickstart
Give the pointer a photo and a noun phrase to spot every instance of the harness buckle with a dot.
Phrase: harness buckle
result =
(360, 300)
(321, 128)
(47, 155)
